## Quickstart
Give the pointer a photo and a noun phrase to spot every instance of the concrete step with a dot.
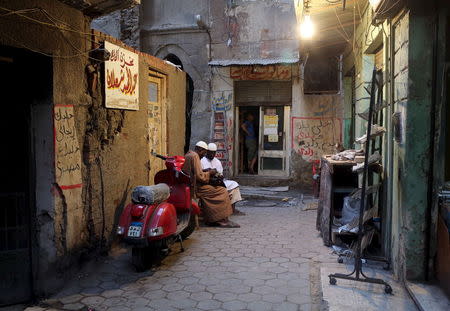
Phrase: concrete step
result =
(262, 181)
(268, 193)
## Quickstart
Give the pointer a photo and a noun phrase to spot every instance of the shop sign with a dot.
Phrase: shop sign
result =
(121, 78)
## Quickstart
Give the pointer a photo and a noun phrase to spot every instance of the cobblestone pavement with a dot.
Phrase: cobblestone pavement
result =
(270, 263)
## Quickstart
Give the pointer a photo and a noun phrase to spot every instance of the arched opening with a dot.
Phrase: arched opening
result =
(189, 98)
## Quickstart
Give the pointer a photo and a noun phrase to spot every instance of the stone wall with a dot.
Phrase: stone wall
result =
(168, 27)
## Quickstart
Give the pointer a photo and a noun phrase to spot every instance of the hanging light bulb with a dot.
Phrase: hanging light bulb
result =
(306, 28)
(374, 3)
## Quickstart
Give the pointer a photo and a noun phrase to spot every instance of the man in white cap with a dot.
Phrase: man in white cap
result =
(210, 162)
(216, 205)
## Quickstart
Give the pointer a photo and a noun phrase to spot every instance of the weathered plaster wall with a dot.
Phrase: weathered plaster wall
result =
(248, 29)
(316, 127)
(72, 222)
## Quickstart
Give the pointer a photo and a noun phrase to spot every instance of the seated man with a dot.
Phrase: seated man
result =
(215, 198)
(210, 162)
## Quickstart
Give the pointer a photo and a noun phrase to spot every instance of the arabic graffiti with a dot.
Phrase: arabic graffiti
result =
(314, 137)
(222, 101)
(270, 72)
(67, 148)
(121, 78)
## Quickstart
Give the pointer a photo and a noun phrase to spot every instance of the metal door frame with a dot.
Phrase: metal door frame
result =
(274, 153)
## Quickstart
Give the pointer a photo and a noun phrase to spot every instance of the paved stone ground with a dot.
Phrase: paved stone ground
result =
(275, 261)
(270, 263)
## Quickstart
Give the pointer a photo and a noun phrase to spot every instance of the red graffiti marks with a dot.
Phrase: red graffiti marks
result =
(270, 72)
(313, 137)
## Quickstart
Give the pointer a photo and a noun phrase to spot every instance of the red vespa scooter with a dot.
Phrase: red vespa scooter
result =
(159, 215)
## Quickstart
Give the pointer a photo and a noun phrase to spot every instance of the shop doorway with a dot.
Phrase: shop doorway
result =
(244, 161)
(26, 134)
(269, 103)
(272, 152)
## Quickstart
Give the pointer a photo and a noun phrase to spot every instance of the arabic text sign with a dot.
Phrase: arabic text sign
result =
(269, 72)
(122, 78)
(67, 148)
(314, 137)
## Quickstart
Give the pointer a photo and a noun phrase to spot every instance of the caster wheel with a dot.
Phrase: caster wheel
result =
(340, 260)
(333, 281)
(388, 289)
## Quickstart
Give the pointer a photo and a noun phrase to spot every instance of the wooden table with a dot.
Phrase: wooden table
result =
(336, 181)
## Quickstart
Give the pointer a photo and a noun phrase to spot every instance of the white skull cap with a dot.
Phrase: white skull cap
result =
(212, 147)
(202, 144)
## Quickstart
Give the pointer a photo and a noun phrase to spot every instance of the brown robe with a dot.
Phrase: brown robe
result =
(216, 199)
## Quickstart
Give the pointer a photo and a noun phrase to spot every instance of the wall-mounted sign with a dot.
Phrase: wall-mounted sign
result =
(122, 78)
(255, 72)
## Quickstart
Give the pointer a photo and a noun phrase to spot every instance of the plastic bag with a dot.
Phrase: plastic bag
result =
(350, 211)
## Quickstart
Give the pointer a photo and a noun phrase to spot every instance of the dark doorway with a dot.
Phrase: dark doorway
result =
(243, 151)
(24, 77)
(189, 99)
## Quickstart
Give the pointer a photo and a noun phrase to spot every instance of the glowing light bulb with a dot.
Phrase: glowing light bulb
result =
(306, 28)
(374, 3)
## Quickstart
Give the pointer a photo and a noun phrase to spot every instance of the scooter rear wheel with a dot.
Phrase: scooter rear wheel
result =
(140, 258)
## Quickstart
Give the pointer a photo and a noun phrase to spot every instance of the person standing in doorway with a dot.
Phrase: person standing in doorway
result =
(250, 142)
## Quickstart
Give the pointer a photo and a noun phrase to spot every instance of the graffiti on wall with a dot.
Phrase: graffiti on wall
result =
(222, 101)
(270, 72)
(314, 137)
(67, 148)
(220, 138)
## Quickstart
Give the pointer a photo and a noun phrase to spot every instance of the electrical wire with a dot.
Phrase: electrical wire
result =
(57, 24)
(44, 53)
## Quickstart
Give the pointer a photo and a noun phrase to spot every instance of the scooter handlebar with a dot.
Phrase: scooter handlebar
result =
(158, 155)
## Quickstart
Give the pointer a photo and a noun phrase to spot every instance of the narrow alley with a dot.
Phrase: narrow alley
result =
(225, 155)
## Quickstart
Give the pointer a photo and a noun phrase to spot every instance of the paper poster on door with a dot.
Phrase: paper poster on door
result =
(270, 124)
(273, 138)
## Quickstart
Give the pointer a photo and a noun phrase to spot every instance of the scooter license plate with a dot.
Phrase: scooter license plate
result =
(134, 231)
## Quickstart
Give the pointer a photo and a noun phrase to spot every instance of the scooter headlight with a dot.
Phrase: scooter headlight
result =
(155, 231)
(120, 230)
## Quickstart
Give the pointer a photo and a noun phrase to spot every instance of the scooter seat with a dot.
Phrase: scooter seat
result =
(150, 194)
